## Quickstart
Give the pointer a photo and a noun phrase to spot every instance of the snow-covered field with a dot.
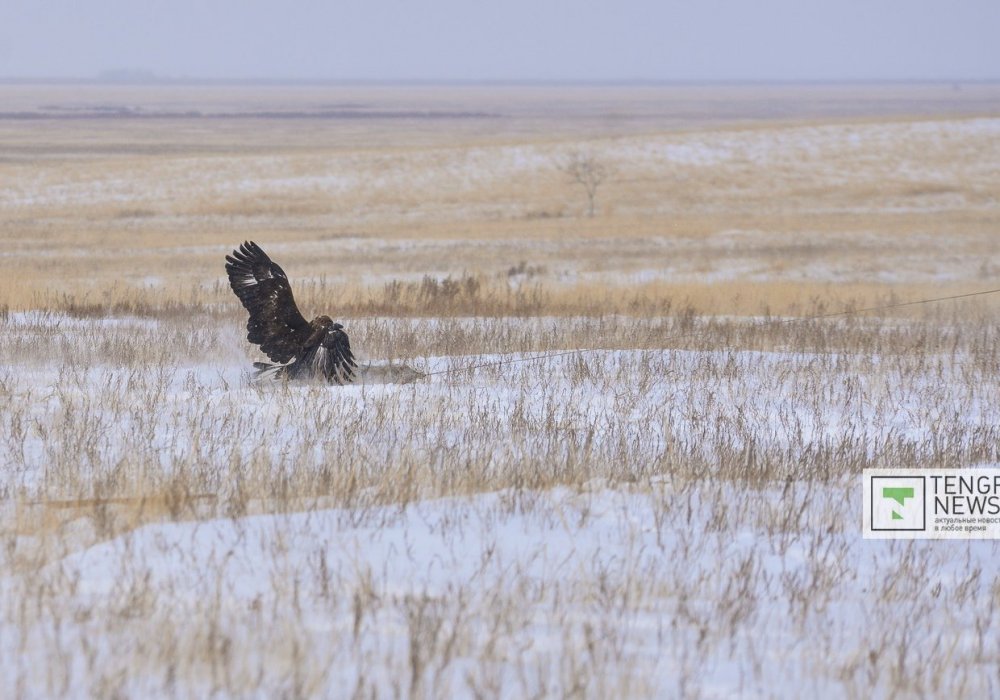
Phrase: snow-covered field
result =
(633, 468)
(644, 523)
(706, 589)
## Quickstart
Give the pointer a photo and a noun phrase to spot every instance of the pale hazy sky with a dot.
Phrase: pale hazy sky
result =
(505, 39)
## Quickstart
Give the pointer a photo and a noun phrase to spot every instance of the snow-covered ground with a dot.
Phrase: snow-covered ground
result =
(643, 407)
(642, 523)
(696, 590)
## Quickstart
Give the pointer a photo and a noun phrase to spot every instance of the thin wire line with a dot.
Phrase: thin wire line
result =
(891, 306)
(801, 319)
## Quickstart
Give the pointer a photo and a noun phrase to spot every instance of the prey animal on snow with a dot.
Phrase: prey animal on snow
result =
(317, 349)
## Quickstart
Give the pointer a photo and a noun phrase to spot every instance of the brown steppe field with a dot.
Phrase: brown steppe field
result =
(633, 468)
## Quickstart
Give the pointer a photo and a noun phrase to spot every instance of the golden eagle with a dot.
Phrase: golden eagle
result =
(317, 349)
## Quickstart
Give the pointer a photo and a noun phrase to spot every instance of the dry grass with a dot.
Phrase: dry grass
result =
(704, 446)
(672, 511)
(846, 210)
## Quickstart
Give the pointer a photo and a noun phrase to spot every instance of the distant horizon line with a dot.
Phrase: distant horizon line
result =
(142, 78)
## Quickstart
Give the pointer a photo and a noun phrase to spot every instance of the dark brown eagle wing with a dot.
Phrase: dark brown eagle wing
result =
(340, 362)
(275, 323)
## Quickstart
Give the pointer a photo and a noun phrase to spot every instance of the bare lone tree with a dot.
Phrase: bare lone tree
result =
(587, 171)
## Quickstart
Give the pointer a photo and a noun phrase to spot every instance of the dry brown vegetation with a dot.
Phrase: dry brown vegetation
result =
(735, 219)
(674, 510)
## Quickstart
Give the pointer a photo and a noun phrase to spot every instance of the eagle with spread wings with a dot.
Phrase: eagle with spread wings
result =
(317, 349)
